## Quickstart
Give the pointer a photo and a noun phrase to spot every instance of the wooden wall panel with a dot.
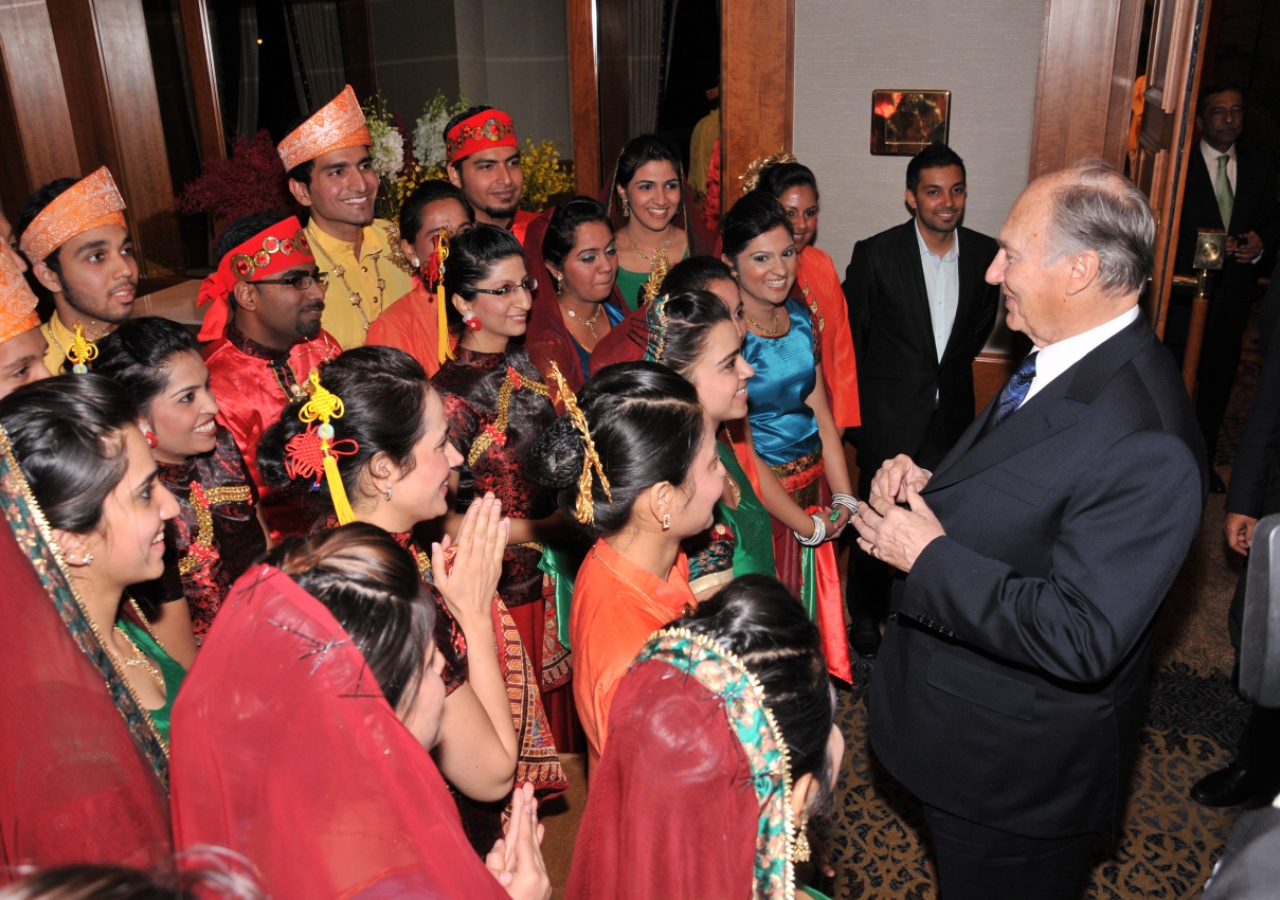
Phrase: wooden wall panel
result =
(1088, 54)
(204, 78)
(756, 69)
(614, 67)
(584, 98)
(40, 144)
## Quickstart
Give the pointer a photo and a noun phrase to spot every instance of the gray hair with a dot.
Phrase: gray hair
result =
(1098, 209)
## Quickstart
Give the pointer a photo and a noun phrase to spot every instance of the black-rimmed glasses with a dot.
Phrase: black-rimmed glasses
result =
(301, 281)
(529, 284)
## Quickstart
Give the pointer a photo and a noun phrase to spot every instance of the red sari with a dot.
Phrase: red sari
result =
(285, 751)
(83, 775)
(819, 288)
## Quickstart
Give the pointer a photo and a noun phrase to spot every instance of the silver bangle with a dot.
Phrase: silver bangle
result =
(848, 501)
(819, 533)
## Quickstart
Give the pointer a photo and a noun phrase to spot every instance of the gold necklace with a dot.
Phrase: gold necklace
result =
(655, 255)
(139, 658)
(729, 479)
(341, 272)
(771, 332)
(590, 323)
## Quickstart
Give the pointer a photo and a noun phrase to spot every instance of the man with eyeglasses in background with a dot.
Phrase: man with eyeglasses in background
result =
(267, 298)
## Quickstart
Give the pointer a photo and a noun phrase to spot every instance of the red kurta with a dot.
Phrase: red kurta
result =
(521, 224)
(253, 384)
(412, 324)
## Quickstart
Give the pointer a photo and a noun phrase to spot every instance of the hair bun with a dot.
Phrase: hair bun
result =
(555, 459)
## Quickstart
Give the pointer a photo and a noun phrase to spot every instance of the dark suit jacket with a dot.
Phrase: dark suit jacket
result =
(1011, 682)
(1255, 474)
(1254, 209)
(899, 373)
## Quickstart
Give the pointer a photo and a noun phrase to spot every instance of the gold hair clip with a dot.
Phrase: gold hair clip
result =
(658, 270)
(82, 351)
(584, 508)
(751, 178)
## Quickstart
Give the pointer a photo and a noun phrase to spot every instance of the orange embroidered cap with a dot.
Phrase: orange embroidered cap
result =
(89, 203)
(17, 303)
(337, 125)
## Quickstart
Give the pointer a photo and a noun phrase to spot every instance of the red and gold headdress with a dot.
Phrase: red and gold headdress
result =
(435, 275)
(485, 130)
(17, 302)
(277, 249)
(337, 125)
(89, 203)
(314, 452)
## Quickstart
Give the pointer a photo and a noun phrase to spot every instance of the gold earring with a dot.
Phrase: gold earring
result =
(626, 208)
(802, 851)
(666, 522)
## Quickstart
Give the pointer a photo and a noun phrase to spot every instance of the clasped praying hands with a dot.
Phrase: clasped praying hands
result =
(886, 530)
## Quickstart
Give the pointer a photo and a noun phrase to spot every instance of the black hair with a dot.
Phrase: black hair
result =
(35, 204)
(472, 256)
(227, 877)
(935, 156)
(562, 231)
(137, 356)
(697, 273)
(373, 588)
(67, 434)
(755, 214)
(384, 397)
(647, 426)
(758, 620)
(454, 120)
(423, 196)
(690, 317)
(642, 150)
(244, 228)
(1216, 87)
(779, 178)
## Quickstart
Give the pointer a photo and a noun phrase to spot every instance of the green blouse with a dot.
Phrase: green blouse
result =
(630, 283)
(750, 522)
(170, 670)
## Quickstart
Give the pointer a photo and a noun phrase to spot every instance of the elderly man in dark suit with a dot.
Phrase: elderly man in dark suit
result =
(1012, 679)
(1232, 187)
(920, 312)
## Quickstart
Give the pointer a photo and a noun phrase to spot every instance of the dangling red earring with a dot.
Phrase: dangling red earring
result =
(472, 321)
(152, 440)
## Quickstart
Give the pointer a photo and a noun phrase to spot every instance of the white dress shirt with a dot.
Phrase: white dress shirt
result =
(942, 282)
(1211, 160)
(1054, 359)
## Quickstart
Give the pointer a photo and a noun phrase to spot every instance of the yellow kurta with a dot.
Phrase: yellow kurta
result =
(59, 338)
(359, 289)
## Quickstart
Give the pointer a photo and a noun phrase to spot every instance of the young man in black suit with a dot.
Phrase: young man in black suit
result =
(1012, 681)
(1233, 187)
(920, 312)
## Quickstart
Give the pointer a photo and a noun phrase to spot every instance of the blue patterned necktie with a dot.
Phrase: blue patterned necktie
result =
(1015, 391)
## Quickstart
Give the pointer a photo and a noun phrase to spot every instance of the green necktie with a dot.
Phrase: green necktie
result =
(1222, 189)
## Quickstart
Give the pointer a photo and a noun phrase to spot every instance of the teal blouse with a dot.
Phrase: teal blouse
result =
(783, 425)
(750, 523)
(170, 670)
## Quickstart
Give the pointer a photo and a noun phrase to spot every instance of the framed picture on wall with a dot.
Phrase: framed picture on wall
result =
(904, 122)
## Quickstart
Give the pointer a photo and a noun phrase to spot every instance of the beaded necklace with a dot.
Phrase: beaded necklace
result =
(341, 272)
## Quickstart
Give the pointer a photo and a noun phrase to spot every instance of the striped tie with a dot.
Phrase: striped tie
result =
(1015, 391)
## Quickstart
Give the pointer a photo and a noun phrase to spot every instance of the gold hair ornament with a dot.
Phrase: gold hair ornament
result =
(315, 450)
(658, 270)
(751, 178)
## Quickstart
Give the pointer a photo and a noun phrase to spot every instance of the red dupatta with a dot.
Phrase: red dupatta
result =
(82, 772)
(285, 750)
(817, 279)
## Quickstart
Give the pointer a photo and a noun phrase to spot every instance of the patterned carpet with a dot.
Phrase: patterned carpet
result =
(874, 833)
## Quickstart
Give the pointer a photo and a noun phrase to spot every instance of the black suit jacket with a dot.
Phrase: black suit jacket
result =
(1011, 682)
(899, 373)
(1254, 209)
(1255, 474)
